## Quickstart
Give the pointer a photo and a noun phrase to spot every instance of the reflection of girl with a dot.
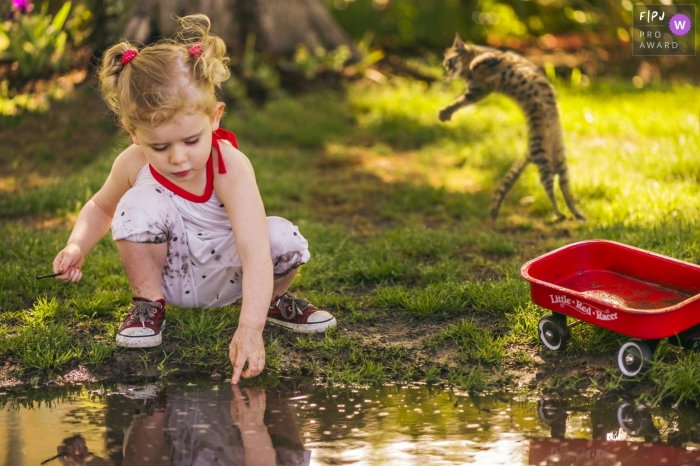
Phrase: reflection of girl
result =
(215, 427)
(73, 451)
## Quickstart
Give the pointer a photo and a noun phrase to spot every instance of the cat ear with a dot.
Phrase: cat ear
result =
(458, 43)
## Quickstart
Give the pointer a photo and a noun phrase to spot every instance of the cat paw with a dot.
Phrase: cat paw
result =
(445, 115)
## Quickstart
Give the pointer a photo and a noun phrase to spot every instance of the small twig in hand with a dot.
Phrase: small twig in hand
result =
(49, 275)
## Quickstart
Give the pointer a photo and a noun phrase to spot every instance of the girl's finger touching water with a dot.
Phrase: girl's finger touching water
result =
(246, 346)
(238, 367)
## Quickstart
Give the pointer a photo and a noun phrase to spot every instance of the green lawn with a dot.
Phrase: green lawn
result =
(394, 205)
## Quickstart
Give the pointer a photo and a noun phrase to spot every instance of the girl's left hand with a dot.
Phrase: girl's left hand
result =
(246, 346)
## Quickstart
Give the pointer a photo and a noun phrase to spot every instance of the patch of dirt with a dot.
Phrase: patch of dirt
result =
(378, 337)
(8, 376)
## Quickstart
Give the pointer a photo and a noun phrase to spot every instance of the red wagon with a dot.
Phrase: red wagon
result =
(631, 291)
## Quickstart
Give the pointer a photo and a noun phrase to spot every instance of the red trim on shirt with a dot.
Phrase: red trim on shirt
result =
(209, 188)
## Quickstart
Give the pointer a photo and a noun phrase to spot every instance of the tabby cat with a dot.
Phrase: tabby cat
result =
(487, 70)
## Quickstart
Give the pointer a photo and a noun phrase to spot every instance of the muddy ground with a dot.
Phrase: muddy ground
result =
(548, 369)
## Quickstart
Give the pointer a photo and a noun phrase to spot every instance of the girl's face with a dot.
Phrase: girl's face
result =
(179, 148)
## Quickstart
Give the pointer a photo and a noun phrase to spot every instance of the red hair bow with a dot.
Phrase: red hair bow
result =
(195, 50)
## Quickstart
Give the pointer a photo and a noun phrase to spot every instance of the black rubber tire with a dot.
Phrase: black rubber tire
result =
(634, 420)
(634, 357)
(554, 334)
(552, 410)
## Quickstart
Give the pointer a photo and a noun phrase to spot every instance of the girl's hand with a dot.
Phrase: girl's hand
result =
(246, 346)
(69, 261)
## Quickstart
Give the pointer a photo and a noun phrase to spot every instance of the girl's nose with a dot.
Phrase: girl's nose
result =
(178, 156)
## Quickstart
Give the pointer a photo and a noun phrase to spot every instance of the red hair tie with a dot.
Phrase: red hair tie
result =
(128, 56)
(195, 50)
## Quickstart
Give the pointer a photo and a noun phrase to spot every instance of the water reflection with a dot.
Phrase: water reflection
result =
(623, 436)
(73, 451)
(215, 424)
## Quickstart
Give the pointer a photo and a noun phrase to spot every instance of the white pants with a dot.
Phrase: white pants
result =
(202, 268)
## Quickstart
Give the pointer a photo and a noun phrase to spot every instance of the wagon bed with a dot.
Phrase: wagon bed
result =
(624, 289)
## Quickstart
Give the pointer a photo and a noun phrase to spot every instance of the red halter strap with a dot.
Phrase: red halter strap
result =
(228, 136)
(209, 188)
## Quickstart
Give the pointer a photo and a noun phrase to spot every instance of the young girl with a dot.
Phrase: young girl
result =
(183, 204)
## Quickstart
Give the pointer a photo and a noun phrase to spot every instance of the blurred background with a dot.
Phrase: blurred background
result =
(46, 47)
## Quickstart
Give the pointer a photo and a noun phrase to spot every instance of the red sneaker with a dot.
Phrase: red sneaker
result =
(143, 326)
(298, 315)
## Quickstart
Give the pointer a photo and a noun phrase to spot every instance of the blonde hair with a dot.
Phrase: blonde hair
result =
(159, 81)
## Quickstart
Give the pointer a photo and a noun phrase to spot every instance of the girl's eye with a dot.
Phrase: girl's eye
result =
(192, 143)
(160, 149)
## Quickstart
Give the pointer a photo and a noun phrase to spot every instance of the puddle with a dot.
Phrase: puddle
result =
(211, 424)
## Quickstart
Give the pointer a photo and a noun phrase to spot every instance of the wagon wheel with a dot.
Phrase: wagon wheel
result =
(552, 410)
(554, 333)
(634, 357)
(634, 420)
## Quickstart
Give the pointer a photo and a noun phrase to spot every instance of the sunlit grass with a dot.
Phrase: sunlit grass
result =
(474, 343)
(680, 379)
(632, 154)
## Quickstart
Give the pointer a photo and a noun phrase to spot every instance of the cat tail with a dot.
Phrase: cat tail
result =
(507, 183)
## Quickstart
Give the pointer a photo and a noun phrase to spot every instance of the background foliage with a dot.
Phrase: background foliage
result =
(592, 35)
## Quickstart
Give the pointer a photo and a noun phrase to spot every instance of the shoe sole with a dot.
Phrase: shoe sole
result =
(316, 327)
(150, 341)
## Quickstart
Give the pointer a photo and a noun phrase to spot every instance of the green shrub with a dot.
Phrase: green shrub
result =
(37, 42)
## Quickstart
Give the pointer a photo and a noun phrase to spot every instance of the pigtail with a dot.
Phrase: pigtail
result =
(145, 87)
(206, 52)
(110, 69)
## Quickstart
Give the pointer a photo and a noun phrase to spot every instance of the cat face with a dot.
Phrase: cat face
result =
(454, 56)
(452, 64)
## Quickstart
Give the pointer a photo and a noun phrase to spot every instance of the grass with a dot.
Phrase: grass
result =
(205, 335)
(474, 343)
(394, 206)
(679, 379)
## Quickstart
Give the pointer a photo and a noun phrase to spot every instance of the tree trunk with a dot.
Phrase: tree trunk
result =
(279, 26)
